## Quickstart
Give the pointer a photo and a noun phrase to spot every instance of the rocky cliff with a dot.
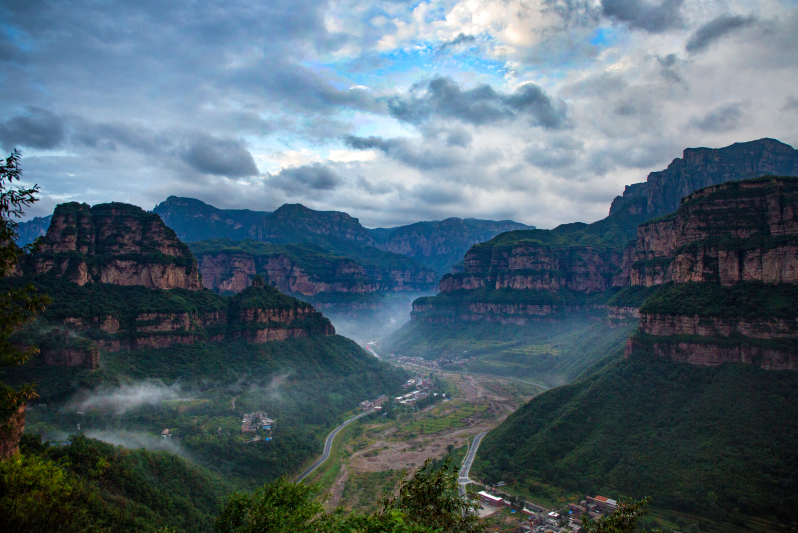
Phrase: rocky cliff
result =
(307, 269)
(727, 266)
(703, 167)
(84, 320)
(113, 243)
(739, 231)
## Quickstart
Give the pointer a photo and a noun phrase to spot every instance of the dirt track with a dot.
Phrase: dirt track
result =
(484, 401)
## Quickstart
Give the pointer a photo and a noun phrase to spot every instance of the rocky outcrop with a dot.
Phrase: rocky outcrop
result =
(303, 269)
(763, 328)
(732, 252)
(61, 347)
(704, 167)
(741, 231)
(114, 243)
(714, 354)
(527, 265)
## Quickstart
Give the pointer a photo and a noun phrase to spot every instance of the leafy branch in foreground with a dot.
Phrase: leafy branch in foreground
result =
(17, 306)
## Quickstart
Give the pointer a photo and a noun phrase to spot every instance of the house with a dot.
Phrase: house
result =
(603, 504)
(490, 499)
(166, 434)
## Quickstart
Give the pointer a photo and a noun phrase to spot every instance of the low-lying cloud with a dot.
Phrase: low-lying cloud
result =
(127, 397)
(716, 29)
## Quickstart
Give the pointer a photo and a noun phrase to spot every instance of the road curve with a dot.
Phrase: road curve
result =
(328, 446)
(468, 461)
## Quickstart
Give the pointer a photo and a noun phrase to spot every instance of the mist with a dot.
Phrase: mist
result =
(135, 440)
(126, 397)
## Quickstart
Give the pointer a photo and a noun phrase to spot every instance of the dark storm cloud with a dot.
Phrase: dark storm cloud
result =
(721, 118)
(35, 128)
(221, 157)
(422, 158)
(557, 154)
(716, 29)
(642, 15)
(458, 137)
(444, 98)
(574, 13)
(315, 176)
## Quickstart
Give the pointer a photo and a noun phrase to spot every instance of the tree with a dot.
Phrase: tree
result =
(17, 306)
(431, 498)
(427, 503)
(624, 520)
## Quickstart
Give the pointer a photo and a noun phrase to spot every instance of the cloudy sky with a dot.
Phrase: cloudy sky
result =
(393, 111)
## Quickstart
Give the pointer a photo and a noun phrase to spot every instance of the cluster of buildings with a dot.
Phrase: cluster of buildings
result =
(541, 520)
(252, 422)
(373, 404)
(417, 361)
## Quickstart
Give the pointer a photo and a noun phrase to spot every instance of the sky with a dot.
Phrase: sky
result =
(393, 111)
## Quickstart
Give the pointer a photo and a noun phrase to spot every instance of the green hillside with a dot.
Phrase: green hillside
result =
(714, 441)
(90, 485)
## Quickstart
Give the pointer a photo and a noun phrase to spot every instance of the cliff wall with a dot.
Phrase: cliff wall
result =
(304, 269)
(114, 243)
(741, 231)
(704, 167)
(726, 264)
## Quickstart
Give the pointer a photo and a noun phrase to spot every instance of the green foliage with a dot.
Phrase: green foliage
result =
(18, 305)
(704, 440)
(89, 485)
(747, 300)
(431, 499)
(428, 502)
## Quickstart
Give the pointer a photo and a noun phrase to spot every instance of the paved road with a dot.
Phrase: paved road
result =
(468, 461)
(328, 446)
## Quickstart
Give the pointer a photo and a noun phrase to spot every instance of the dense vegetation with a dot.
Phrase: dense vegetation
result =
(194, 220)
(304, 384)
(745, 300)
(710, 440)
(91, 485)
(552, 351)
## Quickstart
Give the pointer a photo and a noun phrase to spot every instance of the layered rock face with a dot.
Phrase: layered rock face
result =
(519, 276)
(258, 314)
(114, 243)
(304, 269)
(704, 167)
(535, 266)
(729, 257)
(742, 231)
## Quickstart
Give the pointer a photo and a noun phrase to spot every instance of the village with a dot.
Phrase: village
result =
(252, 422)
(538, 519)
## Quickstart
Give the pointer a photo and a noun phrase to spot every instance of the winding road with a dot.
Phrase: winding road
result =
(328, 446)
(468, 461)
